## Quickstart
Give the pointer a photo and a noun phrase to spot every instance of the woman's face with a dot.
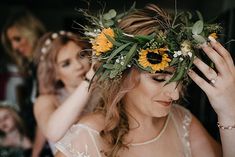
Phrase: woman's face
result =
(7, 123)
(19, 43)
(71, 66)
(151, 96)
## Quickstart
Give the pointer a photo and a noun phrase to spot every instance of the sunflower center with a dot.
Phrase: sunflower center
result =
(154, 58)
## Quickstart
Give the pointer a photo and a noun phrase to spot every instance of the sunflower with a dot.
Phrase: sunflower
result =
(101, 44)
(156, 59)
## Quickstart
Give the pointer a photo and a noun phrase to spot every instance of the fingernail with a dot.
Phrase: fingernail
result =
(189, 70)
(203, 45)
(212, 39)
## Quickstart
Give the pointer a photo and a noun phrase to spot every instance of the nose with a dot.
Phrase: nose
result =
(172, 91)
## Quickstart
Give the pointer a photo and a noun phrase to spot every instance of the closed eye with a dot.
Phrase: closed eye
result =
(159, 80)
(65, 64)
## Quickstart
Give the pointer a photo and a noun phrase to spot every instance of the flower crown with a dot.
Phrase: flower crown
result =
(9, 105)
(50, 39)
(173, 47)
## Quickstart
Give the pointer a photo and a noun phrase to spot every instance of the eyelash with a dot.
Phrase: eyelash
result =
(159, 80)
(65, 64)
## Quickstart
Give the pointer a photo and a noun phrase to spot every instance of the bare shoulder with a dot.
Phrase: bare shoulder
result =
(93, 120)
(200, 140)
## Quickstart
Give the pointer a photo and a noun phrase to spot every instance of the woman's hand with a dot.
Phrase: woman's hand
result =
(221, 88)
(91, 71)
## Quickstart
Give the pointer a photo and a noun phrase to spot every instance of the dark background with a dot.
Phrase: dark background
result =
(60, 14)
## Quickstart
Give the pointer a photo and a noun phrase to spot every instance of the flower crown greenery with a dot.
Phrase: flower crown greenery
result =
(174, 47)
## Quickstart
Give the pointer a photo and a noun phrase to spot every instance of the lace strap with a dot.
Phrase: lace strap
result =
(182, 119)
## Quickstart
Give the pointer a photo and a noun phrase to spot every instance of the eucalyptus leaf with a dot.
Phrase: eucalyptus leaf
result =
(130, 54)
(117, 51)
(106, 16)
(109, 15)
(180, 72)
(112, 13)
(199, 15)
(113, 41)
(174, 61)
(199, 39)
(108, 66)
(197, 27)
(108, 23)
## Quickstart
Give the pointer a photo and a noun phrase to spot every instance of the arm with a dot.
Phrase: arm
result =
(220, 90)
(59, 154)
(38, 144)
(48, 115)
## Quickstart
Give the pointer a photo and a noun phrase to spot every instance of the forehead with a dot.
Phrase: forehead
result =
(68, 50)
(3, 112)
(12, 32)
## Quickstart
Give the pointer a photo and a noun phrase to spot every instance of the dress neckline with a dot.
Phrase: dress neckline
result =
(155, 138)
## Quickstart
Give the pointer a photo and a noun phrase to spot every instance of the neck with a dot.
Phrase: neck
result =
(142, 124)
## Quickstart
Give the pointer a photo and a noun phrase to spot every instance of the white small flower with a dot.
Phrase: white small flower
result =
(128, 65)
(54, 35)
(91, 34)
(97, 31)
(48, 41)
(117, 60)
(62, 32)
(179, 53)
(122, 63)
(175, 55)
(122, 57)
(43, 50)
(181, 59)
(190, 54)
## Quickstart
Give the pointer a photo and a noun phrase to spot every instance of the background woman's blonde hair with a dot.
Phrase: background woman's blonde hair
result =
(27, 24)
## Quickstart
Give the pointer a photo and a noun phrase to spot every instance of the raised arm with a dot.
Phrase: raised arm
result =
(55, 120)
(220, 90)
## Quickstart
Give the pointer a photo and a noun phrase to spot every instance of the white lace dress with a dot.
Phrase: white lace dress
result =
(83, 141)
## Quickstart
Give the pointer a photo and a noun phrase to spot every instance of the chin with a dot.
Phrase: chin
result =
(161, 113)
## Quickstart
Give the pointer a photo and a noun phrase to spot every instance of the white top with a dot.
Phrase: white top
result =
(83, 141)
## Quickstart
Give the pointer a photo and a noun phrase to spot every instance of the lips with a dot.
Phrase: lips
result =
(164, 103)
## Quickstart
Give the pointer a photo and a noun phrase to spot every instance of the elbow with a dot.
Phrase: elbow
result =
(52, 135)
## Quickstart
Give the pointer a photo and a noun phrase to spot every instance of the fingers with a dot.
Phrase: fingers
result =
(223, 52)
(218, 60)
(203, 84)
(205, 69)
